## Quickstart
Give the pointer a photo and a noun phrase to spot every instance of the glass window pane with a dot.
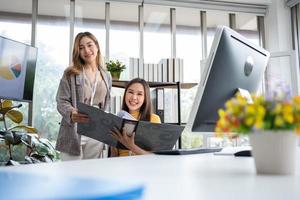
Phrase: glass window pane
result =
(214, 19)
(189, 48)
(279, 74)
(124, 34)
(246, 25)
(52, 40)
(157, 35)
(188, 36)
(90, 16)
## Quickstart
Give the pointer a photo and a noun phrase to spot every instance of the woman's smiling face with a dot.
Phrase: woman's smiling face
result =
(134, 97)
(88, 50)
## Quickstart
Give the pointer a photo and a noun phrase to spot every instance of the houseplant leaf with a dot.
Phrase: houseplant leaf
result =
(29, 129)
(15, 115)
(6, 104)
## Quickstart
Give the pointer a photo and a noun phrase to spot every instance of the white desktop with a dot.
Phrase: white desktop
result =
(191, 177)
(234, 63)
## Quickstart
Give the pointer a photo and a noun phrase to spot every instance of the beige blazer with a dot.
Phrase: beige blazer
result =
(70, 91)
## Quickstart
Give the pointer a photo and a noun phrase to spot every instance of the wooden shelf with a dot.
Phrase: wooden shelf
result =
(122, 84)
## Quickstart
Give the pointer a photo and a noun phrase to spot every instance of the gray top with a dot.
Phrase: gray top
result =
(95, 92)
(70, 91)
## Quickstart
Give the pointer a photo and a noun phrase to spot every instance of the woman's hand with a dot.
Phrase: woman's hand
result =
(122, 137)
(77, 117)
(128, 141)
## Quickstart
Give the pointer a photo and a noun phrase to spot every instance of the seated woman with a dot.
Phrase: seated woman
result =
(137, 102)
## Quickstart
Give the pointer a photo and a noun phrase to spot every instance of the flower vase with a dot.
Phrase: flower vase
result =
(115, 75)
(274, 152)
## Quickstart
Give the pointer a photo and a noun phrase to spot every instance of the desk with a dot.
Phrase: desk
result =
(200, 176)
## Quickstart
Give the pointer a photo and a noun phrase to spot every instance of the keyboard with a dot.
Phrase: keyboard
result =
(187, 151)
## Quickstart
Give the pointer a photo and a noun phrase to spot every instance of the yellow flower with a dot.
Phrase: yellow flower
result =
(259, 124)
(239, 116)
(249, 121)
(278, 121)
(278, 109)
(250, 110)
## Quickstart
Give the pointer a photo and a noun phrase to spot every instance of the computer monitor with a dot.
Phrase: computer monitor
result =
(17, 70)
(233, 63)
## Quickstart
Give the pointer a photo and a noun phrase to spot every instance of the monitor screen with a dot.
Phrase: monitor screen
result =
(17, 70)
(233, 63)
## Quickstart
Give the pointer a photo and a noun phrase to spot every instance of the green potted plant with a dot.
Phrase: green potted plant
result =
(115, 68)
(272, 125)
(20, 144)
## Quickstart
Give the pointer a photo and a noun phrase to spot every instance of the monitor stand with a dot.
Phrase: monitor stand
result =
(246, 94)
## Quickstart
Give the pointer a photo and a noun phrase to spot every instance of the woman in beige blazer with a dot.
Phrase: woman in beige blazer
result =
(88, 82)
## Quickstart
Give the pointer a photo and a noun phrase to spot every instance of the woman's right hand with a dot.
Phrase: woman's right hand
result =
(77, 117)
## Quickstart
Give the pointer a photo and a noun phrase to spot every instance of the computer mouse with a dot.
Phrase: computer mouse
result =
(243, 153)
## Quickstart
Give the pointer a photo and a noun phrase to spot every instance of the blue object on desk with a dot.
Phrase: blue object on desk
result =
(33, 186)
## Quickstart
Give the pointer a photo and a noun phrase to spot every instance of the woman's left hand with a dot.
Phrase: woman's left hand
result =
(122, 137)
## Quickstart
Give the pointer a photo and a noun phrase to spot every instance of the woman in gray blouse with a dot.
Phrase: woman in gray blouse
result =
(88, 82)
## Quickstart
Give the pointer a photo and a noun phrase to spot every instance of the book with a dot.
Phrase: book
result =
(150, 72)
(170, 70)
(17, 185)
(160, 103)
(131, 68)
(146, 72)
(149, 136)
(155, 72)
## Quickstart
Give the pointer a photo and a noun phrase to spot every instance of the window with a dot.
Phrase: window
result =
(189, 48)
(124, 34)
(90, 16)
(52, 40)
(246, 24)
(214, 19)
(157, 35)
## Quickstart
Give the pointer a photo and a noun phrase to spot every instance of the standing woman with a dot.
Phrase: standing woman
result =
(88, 82)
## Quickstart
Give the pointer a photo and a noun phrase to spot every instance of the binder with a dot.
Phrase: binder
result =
(146, 72)
(160, 103)
(150, 72)
(170, 70)
(131, 68)
(135, 68)
(155, 72)
(164, 72)
(148, 136)
(181, 70)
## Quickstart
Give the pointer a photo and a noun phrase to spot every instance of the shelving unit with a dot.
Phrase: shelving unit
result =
(174, 85)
